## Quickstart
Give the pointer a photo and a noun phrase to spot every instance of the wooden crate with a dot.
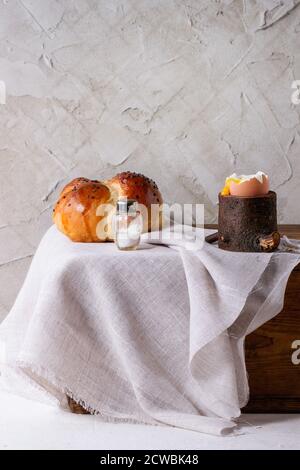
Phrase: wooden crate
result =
(273, 353)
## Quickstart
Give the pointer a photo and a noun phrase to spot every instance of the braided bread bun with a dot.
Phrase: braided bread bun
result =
(144, 190)
(85, 207)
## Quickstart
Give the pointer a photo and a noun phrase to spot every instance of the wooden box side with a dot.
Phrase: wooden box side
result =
(273, 358)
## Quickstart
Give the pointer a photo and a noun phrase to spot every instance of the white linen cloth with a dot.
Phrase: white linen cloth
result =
(154, 335)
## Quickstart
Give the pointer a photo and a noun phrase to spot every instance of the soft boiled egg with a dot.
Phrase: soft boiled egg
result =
(246, 185)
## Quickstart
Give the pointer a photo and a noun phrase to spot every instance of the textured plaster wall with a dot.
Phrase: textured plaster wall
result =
(184, 91)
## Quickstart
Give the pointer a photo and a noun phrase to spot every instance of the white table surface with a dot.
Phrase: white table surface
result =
(27, 424)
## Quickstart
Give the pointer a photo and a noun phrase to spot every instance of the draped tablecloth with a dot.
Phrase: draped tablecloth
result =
(153, 336)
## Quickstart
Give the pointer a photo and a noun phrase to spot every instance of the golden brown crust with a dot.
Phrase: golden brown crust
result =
(75, 213)
(73, 185)
(136, 186)
(144, 190)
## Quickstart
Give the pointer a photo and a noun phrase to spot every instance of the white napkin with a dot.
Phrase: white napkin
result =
(287, 245)
(177, 236)
(154, 335)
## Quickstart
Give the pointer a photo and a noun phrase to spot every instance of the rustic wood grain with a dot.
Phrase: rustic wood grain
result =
(274, 380)
(235, 231)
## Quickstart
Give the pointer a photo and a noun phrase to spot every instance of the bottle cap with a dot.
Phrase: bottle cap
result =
(125, 205)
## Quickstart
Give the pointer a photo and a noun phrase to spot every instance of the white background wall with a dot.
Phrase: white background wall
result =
(183, 91)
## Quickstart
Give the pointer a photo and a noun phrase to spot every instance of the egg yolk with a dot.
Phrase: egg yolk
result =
(226, 190)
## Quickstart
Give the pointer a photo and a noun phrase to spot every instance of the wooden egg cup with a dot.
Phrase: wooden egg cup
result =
(247, 224)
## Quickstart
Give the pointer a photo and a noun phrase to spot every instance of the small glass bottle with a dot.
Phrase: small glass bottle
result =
(127, 224)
